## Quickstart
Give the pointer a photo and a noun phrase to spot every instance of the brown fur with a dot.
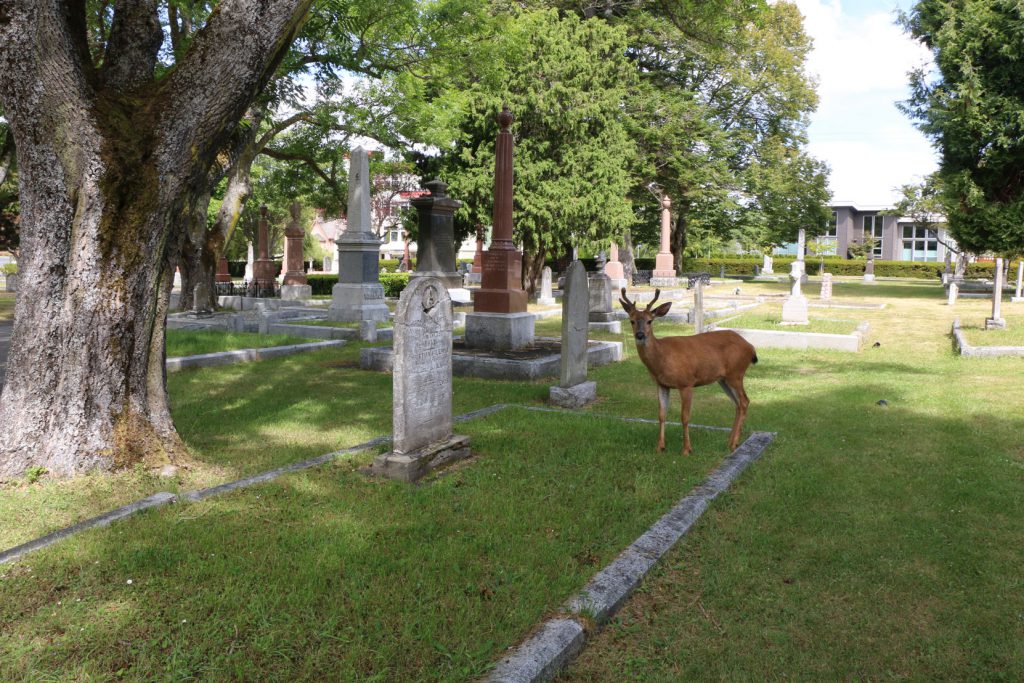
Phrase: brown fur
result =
(683, 363)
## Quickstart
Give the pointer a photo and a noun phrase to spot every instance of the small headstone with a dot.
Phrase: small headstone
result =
(249, 260)
(422, 385)
(794, 309)
(545, 298)
(996, 322)
(698, 306)
(573, 390)
(368, 330)
(201, 300)
(826, 286)
(601, 316)
(954, 290)
(869, 270)
(766, 267)
(1020, 281)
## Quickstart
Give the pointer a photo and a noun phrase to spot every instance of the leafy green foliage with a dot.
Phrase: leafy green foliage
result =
(973, 111)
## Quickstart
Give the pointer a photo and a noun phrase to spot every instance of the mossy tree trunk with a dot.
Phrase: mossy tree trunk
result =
(107, 157)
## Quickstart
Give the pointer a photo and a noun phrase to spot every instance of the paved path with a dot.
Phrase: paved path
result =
(5, 345)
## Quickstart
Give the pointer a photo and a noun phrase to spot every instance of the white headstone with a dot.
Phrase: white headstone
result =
(996, 321)
(954, 289)
(249, 260)
(794, 308)
(826, 286)
(766, 268)
(545, 297)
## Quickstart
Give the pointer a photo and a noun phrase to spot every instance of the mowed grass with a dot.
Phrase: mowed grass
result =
(870, 542)
(329, 575)
(321, 323)
(1013, 335)
(771, 320)
(193, 343)
(6, 306)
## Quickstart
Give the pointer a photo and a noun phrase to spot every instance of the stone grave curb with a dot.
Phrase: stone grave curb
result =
(325, 332)
(964, 348)
(207, 360)
(785, 339)
(560, 639)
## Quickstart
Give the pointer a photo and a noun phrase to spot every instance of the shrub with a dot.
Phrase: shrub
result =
(394, 283)
(322, 283)
(9, 269)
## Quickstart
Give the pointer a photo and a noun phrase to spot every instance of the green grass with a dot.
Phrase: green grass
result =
(328, 575)
(1013, 335)
(322, 323)
(192, 343)
(869, 543)
(772, 320)
(6, 305)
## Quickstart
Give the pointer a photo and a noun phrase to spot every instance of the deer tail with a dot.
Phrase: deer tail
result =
(753, 360)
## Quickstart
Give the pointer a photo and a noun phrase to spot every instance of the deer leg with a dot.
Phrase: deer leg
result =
(686, 394)
(663, 396)
(736, 392)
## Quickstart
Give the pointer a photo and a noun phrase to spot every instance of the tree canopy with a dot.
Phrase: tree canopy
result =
(972, 108)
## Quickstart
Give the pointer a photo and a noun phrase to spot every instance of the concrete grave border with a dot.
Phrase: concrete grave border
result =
(786, 339)
(206, 360)
(961, 346)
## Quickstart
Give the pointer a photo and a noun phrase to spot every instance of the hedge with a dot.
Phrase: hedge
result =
(781, 264)
(323, 283)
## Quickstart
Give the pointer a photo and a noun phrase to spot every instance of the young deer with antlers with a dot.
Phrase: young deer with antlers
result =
(688, 362)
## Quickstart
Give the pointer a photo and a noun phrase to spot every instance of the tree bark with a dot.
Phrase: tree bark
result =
(103, 175)
(627, 258)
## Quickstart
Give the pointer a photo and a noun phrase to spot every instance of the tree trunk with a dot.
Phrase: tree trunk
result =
(106, 159)
(961, 265)
(533, 264)
(679, 239)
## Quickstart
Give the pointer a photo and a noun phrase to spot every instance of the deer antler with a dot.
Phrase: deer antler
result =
(657, 293)
(626, 303)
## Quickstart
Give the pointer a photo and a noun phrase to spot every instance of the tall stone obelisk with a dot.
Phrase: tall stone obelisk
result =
(664, 274)
(499, 320)
(358, 295)
(263, 268)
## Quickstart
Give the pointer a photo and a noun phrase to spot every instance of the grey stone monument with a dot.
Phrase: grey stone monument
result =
(545, 298)
(573, 389)
(435, 246)
(826, 286)
(954, 290)
(201, 300)
(869, 268)
(422, 385)
(358, 294)
(1020, 281)
(601, 316)
(794, 308)
(996, 322)
(698, 306)
(767, 265)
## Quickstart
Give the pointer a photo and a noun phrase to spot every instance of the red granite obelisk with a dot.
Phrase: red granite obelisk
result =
(500, 321)
(501, 285)
(263, 268)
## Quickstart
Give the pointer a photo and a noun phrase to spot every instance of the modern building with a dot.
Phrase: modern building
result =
(895, 238)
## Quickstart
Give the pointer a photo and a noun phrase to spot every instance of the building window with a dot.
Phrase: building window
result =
(873, 229)
(832, 227)
(919, 244)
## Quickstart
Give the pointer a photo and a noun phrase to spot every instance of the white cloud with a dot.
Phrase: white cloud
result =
(861, 62)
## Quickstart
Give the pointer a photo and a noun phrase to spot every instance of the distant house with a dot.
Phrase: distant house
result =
(897, 238)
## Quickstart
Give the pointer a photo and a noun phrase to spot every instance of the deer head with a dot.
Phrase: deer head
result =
(641, 319)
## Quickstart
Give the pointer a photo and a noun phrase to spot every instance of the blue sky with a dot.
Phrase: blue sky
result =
(861, 59)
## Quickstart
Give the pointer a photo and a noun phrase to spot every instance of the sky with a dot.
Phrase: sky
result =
(861, 58)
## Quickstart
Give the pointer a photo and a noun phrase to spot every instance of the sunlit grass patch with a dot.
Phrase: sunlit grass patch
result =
(773, 320)
(192, 343)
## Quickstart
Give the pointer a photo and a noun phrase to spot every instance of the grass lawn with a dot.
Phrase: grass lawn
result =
(321, 323)
(6, 305)
(870, 542)
(976, 334)
(190, 343)
(771, 321)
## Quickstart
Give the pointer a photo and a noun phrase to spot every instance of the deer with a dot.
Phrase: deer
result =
(683, 363)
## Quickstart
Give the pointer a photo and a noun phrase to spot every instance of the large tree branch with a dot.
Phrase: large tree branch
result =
(282, 125)
(135, 39)
(308, 161)
(241, 45)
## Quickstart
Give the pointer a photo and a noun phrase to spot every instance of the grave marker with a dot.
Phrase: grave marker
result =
(573, 390)
(422, 385)
(826, 286)
(545, 298)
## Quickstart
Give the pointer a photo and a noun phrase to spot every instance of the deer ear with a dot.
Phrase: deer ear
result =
(662, 309)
